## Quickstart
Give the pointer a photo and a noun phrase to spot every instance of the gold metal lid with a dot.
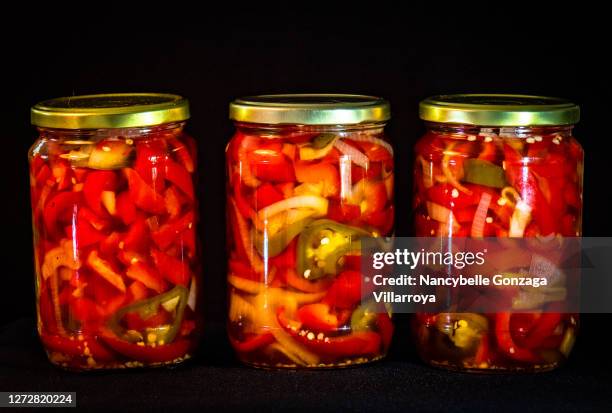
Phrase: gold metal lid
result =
(116, 110)
(499, 110)
(310, 109)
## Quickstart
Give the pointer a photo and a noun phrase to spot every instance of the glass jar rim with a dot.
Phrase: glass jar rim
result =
(112, 110)
(499, 110)
(310, 109)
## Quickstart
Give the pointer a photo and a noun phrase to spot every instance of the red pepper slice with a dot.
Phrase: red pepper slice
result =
(381, 220)
(76, 348)
(317, 172)
(354, 344)
(95, 183)
(252, 342)
(243, 270)
(126, 210)
(342, 212)
(62, 172)
(269, 163)
(86, 235)
(59, 209)
(345, 292)
(287, 258)
(542, 329)
(185, 155)
(385, 328)
(147, 275)
(444, 194)
(148, 354)
(173, 202)
(506, 343)
(137, 237)
(142, 194)
(318, 317)
(266, 194)
(179, 176)
(172, 230)
(173, 269)
(150, 163)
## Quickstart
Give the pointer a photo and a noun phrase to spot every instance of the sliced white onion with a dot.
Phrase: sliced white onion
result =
(362, 137)
(191, 298)
(358, 157)
(520, 218)
(319, 204)
(346, 183)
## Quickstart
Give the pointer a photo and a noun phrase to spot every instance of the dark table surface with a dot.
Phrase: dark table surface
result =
(215, 380)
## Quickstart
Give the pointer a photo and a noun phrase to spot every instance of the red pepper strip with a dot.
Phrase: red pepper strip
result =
(523, 179)
(134, 321)
(252, 342)
(179, 176)
(86, 234)
(506, 343)
(345, 292)
(243, 205)
(63, 174)
(237, 151)
(137, 237)
(385, 328)
(243, 270)
(287, 258)
(318, 172)
(341, 212)
(318, 317)
(442, 194)
(355, 344)
(269, 163)
(77, 348)
(302, 284)
(483, 352)
(266, 194)
(171, 230)
(43, 174)
(381, 220)
(543, 328)
(151, 157)
(173, 203)
(96, 183)
(126, 210)
(59, 209)
(148, 354)
(243, 240)
(185, 156)
(173, 269)
(148, 276)
(142, 194)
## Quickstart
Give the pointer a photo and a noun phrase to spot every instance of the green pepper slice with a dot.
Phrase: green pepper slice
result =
(481, 172)
(463, 329)
(318, 148)
(278, 242)
(147, 308)
(321, 245)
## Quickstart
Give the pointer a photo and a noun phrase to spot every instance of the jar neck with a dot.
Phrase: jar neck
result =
(269, 129)
(145, 132)
(505, 131)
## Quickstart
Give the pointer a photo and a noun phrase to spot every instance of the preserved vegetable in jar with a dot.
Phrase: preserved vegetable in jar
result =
(114, 212)
(308, 177)
(498, 166)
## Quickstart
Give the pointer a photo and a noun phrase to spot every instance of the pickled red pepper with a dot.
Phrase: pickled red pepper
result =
(475, 180)
(299, 199)
(114, 217)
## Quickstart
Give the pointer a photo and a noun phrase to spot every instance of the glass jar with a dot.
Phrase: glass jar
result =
(308, 176)
(517, 156)
(114, 220)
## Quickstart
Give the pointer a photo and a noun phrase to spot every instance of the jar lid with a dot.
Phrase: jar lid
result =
(310, 109)
(116, 110)
(499, 110)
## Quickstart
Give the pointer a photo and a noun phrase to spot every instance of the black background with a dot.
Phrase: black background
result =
(213, 57)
